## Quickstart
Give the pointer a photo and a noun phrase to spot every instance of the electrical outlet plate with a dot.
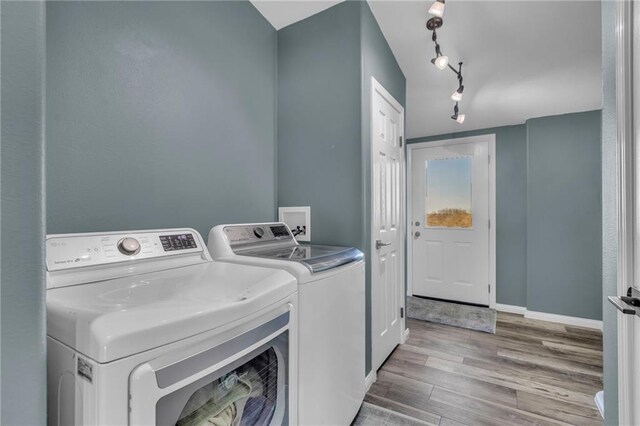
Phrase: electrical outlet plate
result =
(297, 216)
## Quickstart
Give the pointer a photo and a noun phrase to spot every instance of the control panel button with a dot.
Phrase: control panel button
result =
(258, 232)
(129, 246)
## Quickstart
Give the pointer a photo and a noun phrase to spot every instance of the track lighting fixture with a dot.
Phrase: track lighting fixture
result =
(442, 61)
(437, 8)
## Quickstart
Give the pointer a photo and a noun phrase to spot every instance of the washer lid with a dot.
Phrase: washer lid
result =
(116, 318)
(315, 257)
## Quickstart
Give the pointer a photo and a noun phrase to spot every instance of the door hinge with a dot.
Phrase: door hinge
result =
(489, 288)
(489, 223)
(400, 141)
(401, 312)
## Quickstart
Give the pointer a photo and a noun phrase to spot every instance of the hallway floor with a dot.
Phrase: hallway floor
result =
(529, 372)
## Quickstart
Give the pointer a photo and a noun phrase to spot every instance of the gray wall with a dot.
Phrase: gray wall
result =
(319, 154)
(23, 357)
(609, 213)
(325, 63)
(564, 215)
(511, 209)
(159, 115)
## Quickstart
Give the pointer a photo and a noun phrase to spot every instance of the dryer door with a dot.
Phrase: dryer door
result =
(242, 381)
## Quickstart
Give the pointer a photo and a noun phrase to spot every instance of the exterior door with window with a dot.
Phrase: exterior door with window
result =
(450, 222)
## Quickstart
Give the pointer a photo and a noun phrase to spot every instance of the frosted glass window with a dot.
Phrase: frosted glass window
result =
(448, 193)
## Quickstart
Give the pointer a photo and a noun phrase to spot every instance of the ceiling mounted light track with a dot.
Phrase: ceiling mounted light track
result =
(442, 61)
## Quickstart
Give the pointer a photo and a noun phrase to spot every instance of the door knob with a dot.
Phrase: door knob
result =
(380, 244)
(417, 223)
(416, 234)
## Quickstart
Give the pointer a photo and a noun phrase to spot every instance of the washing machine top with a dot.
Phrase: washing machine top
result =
(131, 296)
(275, 242)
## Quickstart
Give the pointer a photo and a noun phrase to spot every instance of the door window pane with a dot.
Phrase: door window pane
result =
(448, 193)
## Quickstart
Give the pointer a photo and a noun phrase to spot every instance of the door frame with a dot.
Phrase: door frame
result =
(491, 138)
(626, 192)
(377, 87)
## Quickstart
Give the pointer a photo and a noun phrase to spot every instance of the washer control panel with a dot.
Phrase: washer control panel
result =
(79, 250)
(257, 233)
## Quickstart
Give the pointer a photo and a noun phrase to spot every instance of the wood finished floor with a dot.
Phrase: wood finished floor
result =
(529, 373)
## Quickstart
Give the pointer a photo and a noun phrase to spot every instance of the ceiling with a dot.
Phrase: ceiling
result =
(522, 59)
(283, 13)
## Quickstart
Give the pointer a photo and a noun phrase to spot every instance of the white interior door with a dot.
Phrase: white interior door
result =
(387, 253)
(628, 102)
(450, 221)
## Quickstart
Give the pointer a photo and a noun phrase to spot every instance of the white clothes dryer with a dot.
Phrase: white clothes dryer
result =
(331, 313)
(143, 328)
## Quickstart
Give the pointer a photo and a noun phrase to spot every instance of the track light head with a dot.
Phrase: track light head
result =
(440, 62)
(437, 8)
(457, 95)
(460, 118)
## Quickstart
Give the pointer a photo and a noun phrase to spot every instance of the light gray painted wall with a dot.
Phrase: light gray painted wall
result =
(319, 154)
(511, 209)
(159, 114)
(564, 215)
(378, 62)
(609, 213)
(324, 67)
(22, 321)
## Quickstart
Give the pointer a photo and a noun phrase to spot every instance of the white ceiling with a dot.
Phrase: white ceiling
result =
(522, 59)
(283, 13)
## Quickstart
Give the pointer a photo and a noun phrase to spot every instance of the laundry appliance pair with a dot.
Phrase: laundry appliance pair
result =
(145, 328)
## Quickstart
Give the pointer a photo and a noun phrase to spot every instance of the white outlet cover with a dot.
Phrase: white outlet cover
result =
(297, 216)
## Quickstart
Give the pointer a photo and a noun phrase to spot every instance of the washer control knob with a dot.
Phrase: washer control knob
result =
(258, 232)
(129, 246)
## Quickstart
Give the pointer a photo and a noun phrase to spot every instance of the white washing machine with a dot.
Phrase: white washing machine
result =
(143, 328)
(331, 313)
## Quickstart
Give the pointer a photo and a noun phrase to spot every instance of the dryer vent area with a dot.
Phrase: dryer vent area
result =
(247, 395)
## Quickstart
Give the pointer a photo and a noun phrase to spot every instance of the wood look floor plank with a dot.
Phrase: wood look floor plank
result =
(495, 411)
(454, 382)
(570, 349)
(448, 422)
(506, 318)
(529, 372)
(572, 413)
(552, 362)
(429, 351)
(425, 416)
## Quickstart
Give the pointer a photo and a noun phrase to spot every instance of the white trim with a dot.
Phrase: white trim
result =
(377, 87)
(491, 138)
(405, 335)
(370, 380)
(511, 309)
(626, 195)
(564, 319)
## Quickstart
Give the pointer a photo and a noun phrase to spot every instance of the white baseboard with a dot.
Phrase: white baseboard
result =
(405, 335)
(564, 319)
(369, 380)
(511, 309)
